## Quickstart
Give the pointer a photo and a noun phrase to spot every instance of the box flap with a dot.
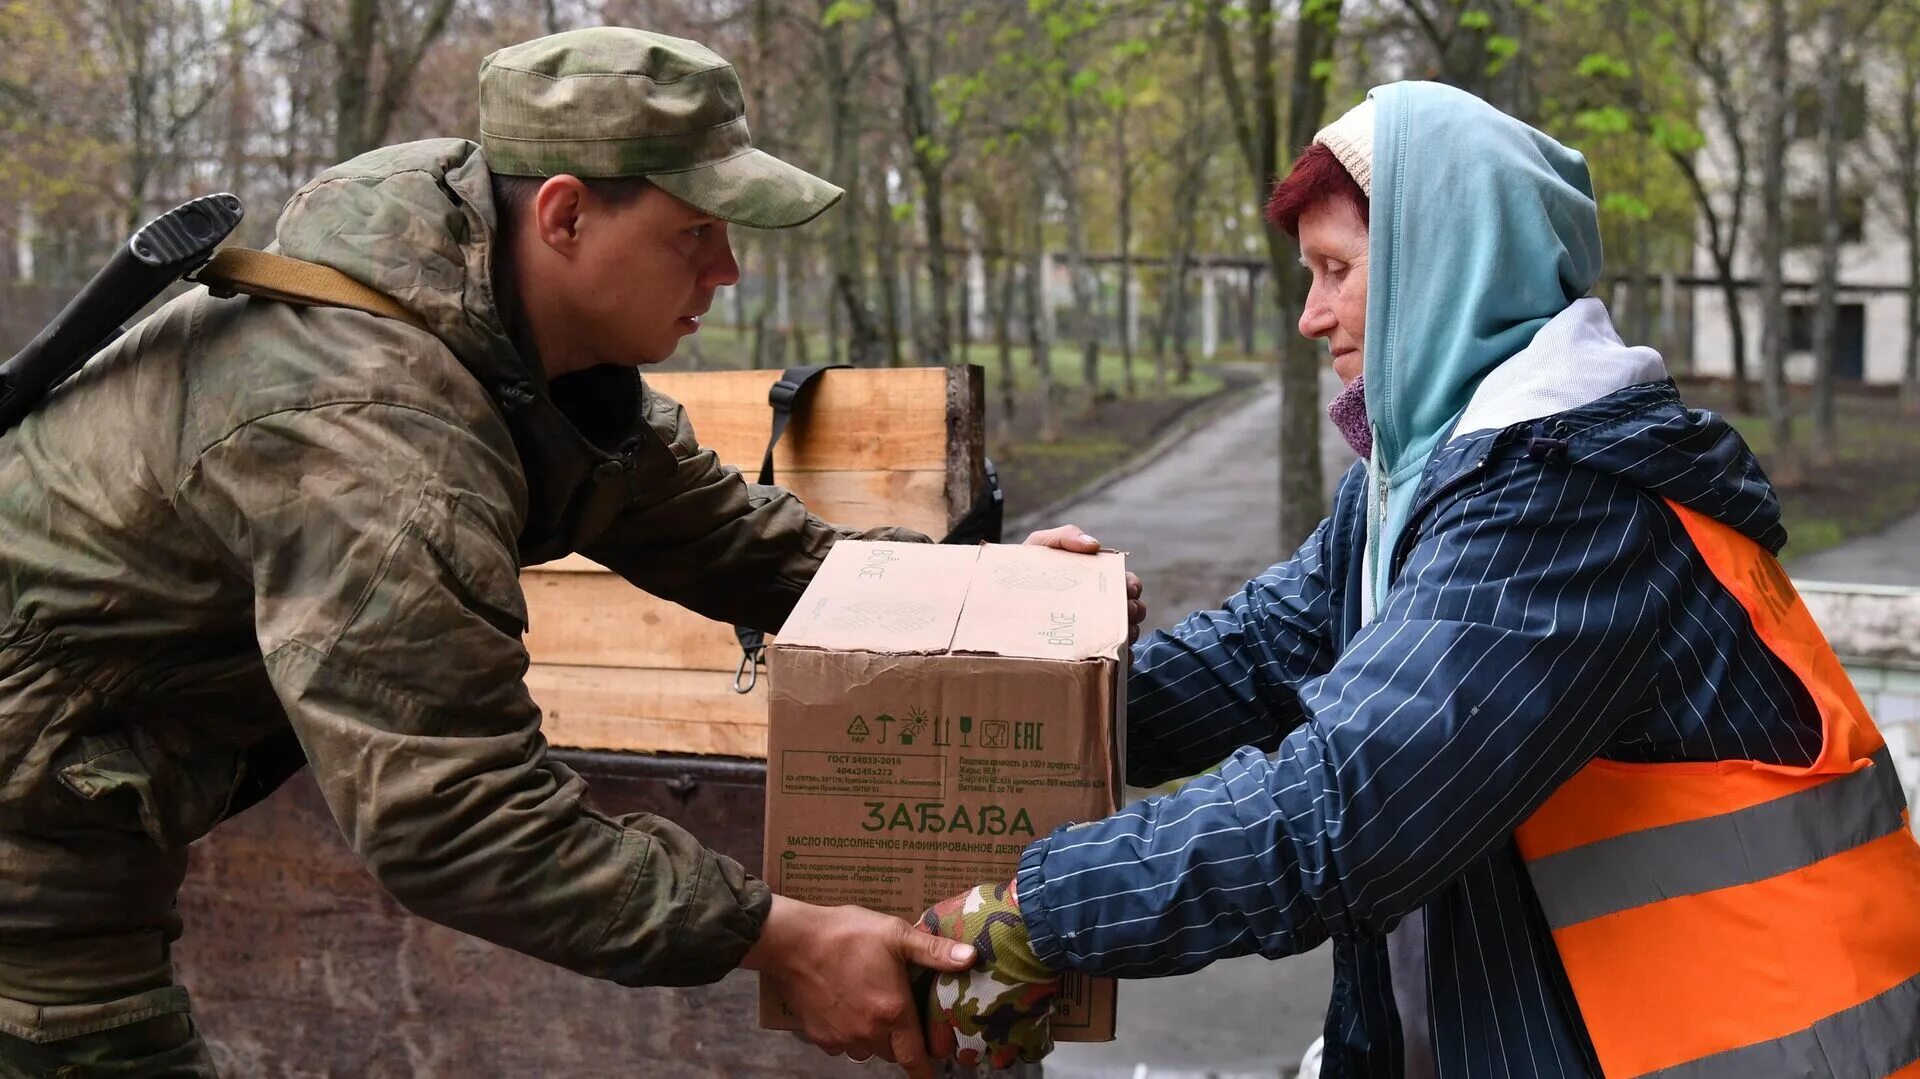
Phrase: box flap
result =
(1042, 603)
(883, 597)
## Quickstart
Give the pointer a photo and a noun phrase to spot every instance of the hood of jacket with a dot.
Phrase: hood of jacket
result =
(416, 221)
(1482, 229)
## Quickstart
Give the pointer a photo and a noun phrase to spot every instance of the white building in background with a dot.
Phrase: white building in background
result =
(1872, 336)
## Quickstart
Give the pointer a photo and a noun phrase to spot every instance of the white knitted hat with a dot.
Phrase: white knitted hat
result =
(1351, 140)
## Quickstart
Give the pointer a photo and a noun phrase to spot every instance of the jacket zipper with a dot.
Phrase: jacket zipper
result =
(1374, 528)
(1404, 543)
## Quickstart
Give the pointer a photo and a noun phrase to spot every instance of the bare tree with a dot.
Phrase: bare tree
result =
(1125, 170)
(1255, 113)
(377, 48)
(1785, 465)
(1189, 160)
(1707, 42)
(1039, 341)
(1898, 128)
(1473, 45)
(1066, 155)
(170, 57)
(1840, 31)
(843, 67)
(930, 143)
(1826, 314)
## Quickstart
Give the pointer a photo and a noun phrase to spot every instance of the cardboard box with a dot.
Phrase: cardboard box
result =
(933, 710)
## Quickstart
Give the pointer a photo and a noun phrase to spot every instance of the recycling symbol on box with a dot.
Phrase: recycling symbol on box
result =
(892, 616)
(1033, 577)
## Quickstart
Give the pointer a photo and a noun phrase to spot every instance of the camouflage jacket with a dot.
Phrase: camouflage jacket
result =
(248, 522)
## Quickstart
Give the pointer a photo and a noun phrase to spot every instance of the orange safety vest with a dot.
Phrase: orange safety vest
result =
(1735, 918)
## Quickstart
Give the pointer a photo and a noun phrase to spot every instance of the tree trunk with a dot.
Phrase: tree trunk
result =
(1193, 151)
(1826, 314)
(1124, 170)
(1182, 310)
(963, 305)
(1037, 338)
(935, 332)
(1163, 323)
(889, 245)
(848, 296)
(930, 154)
(364, 110)
(1003, 328)
(352, 88)
(1737, 329)
(239, 126)
(1066, 161)
(1302, 491)
(1909, 169)
(1785, 465)
(741, 255)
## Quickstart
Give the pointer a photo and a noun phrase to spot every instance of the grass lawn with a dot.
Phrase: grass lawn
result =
(1875, 483)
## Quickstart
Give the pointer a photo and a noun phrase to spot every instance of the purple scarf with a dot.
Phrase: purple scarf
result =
(1348, 411)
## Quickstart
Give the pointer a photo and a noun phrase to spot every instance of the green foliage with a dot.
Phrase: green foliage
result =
(1606, 120)
(1599, 65)
(1676, 135)
(1325, 12)
(846, 11)
(1626, 205)
(931, 150)
(1476, 20)
(1502, 48)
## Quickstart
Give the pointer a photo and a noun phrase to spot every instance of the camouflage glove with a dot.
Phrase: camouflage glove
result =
(1001, 1010)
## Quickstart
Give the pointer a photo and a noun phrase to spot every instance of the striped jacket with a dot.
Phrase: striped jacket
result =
(1546, 608)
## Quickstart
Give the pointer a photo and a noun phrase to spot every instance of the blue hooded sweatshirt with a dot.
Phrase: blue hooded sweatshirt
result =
(1535, 605)
(1482, 230)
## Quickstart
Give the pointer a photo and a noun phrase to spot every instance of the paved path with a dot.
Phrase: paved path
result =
(1892, 557)
(1203, 517)
(1197, 523)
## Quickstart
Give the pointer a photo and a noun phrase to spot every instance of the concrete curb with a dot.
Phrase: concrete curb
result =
(1184, 423)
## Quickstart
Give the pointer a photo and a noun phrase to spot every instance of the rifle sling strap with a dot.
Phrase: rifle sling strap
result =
(290, 280)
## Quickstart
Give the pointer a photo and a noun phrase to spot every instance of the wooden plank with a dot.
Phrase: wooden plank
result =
(599, 620)
(966, 442)
(894, 418)
(301, 965)
(867, 499)
(617, 669)
(650, 710)
(583, 617)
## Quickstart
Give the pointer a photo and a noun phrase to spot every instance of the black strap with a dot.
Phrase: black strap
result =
(982, 524)
(783, 396)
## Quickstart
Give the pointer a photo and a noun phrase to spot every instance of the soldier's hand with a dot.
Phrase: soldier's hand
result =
(844, 972)
(1002, 1010)
(1070, 538)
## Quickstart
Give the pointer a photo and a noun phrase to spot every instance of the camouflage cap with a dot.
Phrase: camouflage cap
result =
(611, 101)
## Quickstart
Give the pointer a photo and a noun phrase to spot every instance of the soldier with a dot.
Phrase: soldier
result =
(252, 535)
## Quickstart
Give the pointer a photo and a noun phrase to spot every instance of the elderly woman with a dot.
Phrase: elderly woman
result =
(1533, 727)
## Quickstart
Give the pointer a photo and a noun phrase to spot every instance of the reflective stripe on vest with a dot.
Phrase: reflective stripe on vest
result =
(1740, 919)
